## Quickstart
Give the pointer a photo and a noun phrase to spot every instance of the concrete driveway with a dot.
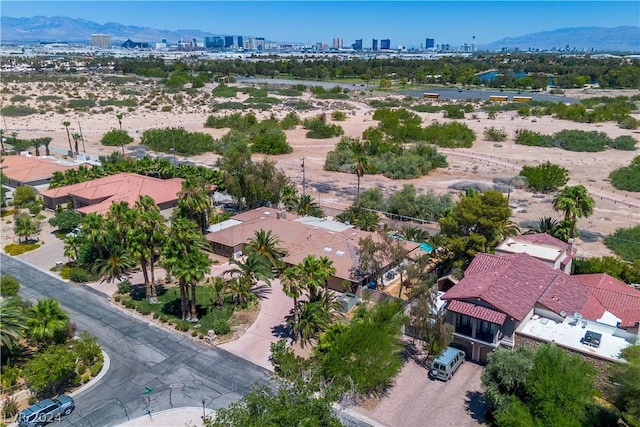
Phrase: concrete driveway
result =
(269, 326)
(415, 400)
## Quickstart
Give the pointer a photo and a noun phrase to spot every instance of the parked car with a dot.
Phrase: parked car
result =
(445, 365)
(74, 233)
(46, 411)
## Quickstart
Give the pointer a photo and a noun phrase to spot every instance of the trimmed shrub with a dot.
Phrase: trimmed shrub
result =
(15, 249)
(79, 275)
(221, 327)
(9, 286)
(124, 287)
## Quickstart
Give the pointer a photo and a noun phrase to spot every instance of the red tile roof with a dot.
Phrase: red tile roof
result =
(102, 192)
(24, 169)
(617, 297)
(544, 239)
(515, 283)
(477, 311)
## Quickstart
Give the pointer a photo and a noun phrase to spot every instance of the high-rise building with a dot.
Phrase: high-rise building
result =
(214, 43)
(374, 44)
(385, 44)
(430, 44)
(337, 43)
(102, 41)
(357, 45)
(228, 42)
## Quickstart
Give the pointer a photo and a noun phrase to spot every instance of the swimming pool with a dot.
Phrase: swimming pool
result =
(426, 247)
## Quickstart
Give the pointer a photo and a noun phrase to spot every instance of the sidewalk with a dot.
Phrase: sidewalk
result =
(178, 417)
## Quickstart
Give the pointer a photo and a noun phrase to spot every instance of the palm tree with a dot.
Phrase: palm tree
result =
(46, 320)
(24, 227)
(289, 197)
(267, 245)
(360, 167)
(72, 245)
(252, 269)
(119, 117)
(313, 319)
(576, 203)
(186, 260)
(66, 126)
(219, 288)
(325, 271)
(306, 206)
(77, 137)
(240, 290)
(545, 225)
(292, 286)
(1, 141)
(12, 323)
(195, 202)
(116, 265)
(94, 231)
(46, 141)
(36, 143)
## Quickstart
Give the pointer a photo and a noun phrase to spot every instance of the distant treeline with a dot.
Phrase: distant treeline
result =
(565, 71)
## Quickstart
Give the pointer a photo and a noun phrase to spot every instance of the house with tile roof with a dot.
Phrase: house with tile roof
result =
(502, 297)
(33, 171)
(300, 236)
(97, 195)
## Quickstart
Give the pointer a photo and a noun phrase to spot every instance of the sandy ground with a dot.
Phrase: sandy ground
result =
(483, 163)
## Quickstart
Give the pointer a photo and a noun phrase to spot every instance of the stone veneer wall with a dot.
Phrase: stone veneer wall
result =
(601, 378)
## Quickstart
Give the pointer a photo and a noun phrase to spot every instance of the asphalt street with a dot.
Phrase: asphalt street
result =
(181, 372)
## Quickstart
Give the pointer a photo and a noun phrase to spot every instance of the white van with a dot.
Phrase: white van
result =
(445, 365)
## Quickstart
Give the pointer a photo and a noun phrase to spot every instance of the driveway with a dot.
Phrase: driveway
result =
(254, 345)
(415, 400)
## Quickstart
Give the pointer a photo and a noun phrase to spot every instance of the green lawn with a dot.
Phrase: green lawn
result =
(211, 316)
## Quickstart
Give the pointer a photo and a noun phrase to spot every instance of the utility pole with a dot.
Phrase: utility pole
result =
(303, 181)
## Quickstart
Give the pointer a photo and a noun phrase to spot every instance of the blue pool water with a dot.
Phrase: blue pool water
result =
(426, 247)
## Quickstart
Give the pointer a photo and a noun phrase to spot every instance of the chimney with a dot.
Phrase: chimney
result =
(570, 247)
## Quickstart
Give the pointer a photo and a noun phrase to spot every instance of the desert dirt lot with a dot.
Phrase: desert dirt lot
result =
(483, 163)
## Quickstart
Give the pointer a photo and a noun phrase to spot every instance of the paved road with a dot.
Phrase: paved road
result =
(181, 372)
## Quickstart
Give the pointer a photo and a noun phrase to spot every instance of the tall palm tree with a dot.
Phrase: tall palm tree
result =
(576, 203)
(94, 231)
(46, 141)
(195, 202)
(12, 323)
(240, 290)
(325, 270)
(267, 245)
(292, 286)
(36, 143)
(66, 125)
(186, 260)
(313, 319)
(360, 167)
(72, 245)
(219, 287)
(46, 320)
(119, 117)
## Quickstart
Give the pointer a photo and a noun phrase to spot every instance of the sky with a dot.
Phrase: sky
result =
(405, 23)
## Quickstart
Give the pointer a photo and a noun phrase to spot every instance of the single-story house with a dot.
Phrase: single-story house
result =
(97, 195)
(300, 236)
(23, 170)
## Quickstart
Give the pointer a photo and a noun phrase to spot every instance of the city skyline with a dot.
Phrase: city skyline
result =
(403, 23)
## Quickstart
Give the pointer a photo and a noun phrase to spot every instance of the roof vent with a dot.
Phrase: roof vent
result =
(339, 253)
(327, 249)
(563, 313)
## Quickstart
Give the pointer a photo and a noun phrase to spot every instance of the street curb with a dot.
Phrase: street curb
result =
(174, 414)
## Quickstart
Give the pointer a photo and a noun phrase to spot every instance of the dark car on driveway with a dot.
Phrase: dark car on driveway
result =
(46, 411)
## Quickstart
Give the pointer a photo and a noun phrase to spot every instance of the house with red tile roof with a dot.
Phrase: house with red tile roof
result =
(500, 297)
(33, 171)
(300, 236)
(97, 195)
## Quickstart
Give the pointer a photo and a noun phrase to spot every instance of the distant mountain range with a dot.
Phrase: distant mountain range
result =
(63, 29)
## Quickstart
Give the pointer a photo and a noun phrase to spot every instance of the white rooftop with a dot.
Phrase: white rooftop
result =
(222, 225)
(537, 250)
(569, 333)
(324, 223)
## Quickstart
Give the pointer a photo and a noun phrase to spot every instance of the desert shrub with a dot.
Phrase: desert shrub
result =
(254, 92)
(453, 111)
(18, 98)
(494, 134)
(289, 92)
(9, 286)
(449, 135)
(221, 327)
(270, 141)
(338, 116)
(628, 122)
(578, 140)
(81, 104)
(262, 100)
(386, 103)
(338, 160)
(299, 105)
(417, 161)
(96, 368)
(623, 142)
(545, 177)
(182, 326)
(15, 249)
(124, 287)
(46, 98)
(399, 126)
(79, 275)
(627, 177)
(230, 105)
(426, 108)
(17, 110)
(166, 108)
(116, 137)
(290, 121)
(532, 138)
(185, 143)
(624, 242)
(129, 102)
(9, 407)
(236, 121)
(319, 129)
(334, 93)
(10, 376)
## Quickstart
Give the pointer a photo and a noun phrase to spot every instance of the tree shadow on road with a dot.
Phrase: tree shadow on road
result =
(477, 407)
(281, 331)
(262, 291)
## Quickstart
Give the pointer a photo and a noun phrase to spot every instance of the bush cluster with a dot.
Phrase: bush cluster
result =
(545, 177)
(628, 177)
(185, 143)
(320, 129)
